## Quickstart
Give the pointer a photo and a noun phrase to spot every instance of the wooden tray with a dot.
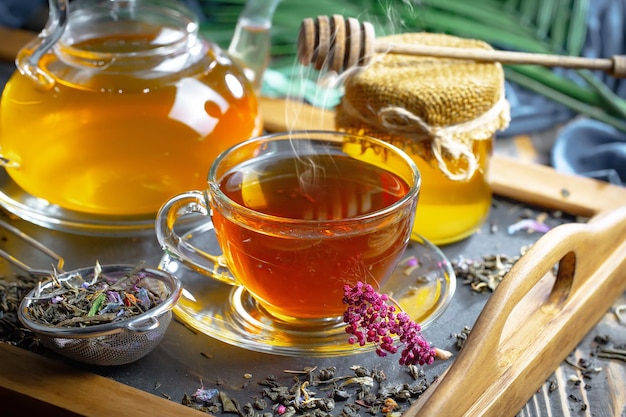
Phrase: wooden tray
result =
(34, 381)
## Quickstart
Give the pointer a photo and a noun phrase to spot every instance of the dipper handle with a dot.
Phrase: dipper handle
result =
(337, 43)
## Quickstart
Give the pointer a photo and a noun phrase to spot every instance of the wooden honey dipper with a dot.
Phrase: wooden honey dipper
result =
(339, 43)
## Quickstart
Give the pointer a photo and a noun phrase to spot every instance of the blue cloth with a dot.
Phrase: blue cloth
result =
(593, 149)
(606, 36)
(532, 112)
(588, 147)
(16, 13)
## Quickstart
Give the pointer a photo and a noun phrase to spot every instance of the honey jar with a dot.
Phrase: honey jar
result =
(119, 105)
(444, 114)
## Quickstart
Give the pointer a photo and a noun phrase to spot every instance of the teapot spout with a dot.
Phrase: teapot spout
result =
(251, 41)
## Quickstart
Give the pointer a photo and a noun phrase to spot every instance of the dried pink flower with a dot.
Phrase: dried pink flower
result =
(370, 319)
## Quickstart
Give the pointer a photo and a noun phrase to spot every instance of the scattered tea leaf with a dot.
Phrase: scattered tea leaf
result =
(12, 291)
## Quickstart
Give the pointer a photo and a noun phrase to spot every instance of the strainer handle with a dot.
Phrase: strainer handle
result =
(34, 243)
(144, 326)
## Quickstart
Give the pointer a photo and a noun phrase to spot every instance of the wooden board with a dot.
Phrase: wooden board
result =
(34, 381)
(62, 390)
(11, 42)
(534, 319)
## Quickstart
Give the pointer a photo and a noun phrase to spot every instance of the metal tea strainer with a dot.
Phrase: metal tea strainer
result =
(115, 343)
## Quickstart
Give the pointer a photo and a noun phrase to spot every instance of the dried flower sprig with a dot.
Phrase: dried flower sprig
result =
(370, 319)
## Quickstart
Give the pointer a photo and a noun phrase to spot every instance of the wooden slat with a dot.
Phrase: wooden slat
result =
(282, 115)
(525, 149)
(60, 389)
(11, 40)
(545, 187)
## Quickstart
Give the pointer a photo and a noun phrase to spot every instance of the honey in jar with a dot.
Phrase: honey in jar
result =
(442, 112)
(129, 107)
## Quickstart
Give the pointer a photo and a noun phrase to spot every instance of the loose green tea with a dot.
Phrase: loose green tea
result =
(319, 392)
(97, 298)
(12, 291)
(485, 274)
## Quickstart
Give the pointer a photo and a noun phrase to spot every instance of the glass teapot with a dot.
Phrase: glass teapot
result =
(120, 104)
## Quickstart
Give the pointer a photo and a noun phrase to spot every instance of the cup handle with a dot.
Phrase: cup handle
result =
(206, 263)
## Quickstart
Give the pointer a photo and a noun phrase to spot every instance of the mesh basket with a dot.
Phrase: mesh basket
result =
(114, 343)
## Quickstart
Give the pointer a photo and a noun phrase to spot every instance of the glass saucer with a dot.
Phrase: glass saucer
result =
(422, 285)
(40, 212)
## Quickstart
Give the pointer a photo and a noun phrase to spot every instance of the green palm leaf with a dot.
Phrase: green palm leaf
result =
(564, 34)
(538, 26)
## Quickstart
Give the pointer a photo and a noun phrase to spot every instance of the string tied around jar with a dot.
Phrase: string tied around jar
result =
(450, 140)
(447, 139)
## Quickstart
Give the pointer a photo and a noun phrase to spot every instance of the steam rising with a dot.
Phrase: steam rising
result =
(328, 83)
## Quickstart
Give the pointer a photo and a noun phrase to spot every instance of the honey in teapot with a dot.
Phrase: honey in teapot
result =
(127, 107)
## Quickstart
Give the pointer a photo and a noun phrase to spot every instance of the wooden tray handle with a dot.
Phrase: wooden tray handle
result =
(534, 320)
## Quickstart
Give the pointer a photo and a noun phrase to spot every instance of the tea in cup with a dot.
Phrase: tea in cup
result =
(299, 215)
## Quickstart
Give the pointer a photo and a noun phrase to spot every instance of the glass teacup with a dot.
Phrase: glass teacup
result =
(298, 216)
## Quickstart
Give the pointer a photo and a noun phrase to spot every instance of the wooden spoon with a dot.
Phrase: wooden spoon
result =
(339, 43)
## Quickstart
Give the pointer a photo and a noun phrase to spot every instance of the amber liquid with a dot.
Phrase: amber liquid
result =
(449, 211)
(120, 143)
(297, 271)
